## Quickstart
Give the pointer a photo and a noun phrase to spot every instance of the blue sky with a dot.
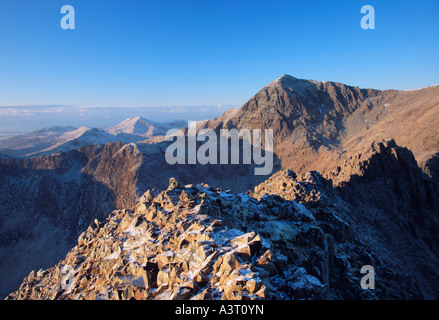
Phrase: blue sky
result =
(207, 52)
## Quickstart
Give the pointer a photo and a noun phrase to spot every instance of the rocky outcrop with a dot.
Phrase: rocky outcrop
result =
(164, 249)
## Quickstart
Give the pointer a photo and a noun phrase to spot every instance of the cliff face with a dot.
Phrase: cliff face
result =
(389, 204)
(396, 208)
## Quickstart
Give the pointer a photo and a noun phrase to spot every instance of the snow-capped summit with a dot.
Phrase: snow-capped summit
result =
(135, 126)
(143, 128)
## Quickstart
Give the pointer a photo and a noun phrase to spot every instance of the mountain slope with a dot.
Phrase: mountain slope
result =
(317, 124)
(35, 141)
(56, 139)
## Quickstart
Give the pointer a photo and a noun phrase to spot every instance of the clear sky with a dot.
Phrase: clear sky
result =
(207, 52)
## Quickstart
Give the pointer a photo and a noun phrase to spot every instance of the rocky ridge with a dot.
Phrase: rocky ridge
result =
(172, 247)
(295, 236)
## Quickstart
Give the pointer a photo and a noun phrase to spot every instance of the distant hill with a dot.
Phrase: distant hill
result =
(60, 139)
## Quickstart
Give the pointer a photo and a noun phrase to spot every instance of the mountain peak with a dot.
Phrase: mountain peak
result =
(133, 126)
(141, 127)
(288, 81)
(136, 119)
(283, 78)
(287, 77)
